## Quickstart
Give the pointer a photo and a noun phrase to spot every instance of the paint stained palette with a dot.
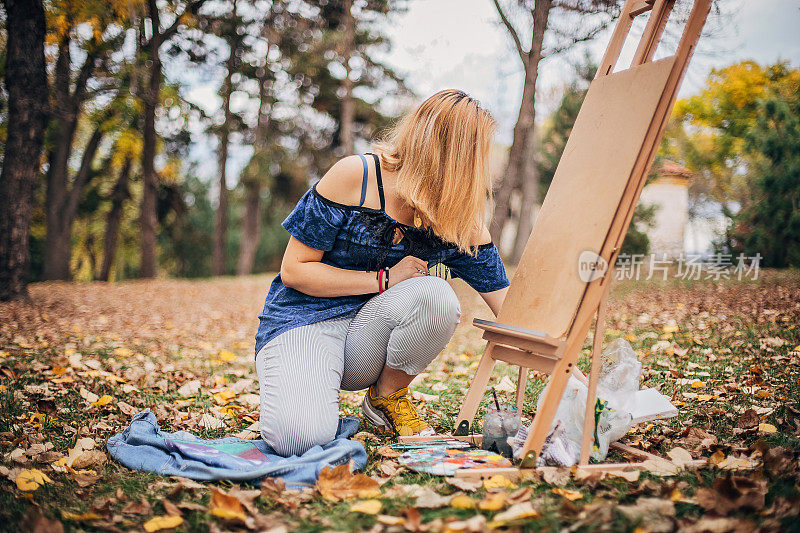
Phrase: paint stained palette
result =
(445, 461)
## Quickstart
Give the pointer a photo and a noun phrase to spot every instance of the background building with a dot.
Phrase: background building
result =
(669, 192)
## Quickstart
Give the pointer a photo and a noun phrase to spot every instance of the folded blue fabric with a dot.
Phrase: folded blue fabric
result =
(143, 446)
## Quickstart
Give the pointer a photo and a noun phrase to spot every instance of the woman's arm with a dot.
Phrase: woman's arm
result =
(494, 299)
(302, 270)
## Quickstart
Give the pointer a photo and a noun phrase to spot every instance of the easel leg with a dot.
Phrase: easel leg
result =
(591, 396)
(522, 382)
(558, 382)
(476, 390)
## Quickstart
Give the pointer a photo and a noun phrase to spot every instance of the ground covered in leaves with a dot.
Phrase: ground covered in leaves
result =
(78, 360)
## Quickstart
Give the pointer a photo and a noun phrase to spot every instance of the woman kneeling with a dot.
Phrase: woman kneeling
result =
(353, 306)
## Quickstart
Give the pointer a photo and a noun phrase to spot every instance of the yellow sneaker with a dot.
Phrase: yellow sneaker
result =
(395, 413)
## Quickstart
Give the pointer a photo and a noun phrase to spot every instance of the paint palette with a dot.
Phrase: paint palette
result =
(445, 461)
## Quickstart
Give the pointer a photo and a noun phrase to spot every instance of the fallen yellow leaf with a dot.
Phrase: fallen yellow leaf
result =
(230, 409)
(224, 396)
(717, 457)
(571, 495)
(498, 481)
(30, 480)
(339, 483)
(367, 507)
(697, 384)
(769, 429)
(225, 356)
(105, 399)
(123, 352)
(670, 329)
(226, 506)
(159, 523)
(75, 517)
(389, 520)
(493, 502)
(462, 501)
(630, 337)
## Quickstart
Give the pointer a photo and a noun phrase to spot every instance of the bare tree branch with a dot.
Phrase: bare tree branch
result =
(573, 41)
(589, 7)
(523, 55)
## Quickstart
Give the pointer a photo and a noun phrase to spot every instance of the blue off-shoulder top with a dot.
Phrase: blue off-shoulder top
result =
(361, 238)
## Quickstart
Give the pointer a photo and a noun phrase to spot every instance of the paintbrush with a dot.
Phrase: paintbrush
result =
(496, 403)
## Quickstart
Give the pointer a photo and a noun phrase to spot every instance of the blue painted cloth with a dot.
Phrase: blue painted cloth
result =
(361, 238)
(143, 446)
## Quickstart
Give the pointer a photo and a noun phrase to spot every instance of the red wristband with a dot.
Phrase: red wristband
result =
(380, 281)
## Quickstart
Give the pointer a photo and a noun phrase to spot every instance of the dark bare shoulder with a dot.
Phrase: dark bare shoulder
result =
(342, 182)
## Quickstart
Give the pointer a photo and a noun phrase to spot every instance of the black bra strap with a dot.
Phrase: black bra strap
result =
(380, 180)
(363, 180)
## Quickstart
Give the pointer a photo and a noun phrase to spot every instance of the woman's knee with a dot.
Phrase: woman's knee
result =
(296, 434)
(436, 300)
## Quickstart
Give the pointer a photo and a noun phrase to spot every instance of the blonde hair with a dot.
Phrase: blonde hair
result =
(440, 152)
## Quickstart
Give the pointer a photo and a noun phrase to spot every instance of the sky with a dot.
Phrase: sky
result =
(441, 44)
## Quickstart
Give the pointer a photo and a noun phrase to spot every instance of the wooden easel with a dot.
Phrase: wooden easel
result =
(548, 311)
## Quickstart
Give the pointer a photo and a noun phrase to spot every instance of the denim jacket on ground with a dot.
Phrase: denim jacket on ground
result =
(143, 446)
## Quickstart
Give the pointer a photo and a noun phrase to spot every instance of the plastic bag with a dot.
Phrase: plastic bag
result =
(620, 371)
(617, 385)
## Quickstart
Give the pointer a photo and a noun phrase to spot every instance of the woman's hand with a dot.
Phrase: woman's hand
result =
(408, 267)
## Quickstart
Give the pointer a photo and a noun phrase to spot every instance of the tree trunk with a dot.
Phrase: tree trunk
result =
(521, 146)
(251, 228)
(150, 94)
(62, 133)
(148, 218)
(67, 108)
(221, 224)
(511, 177)
(114, 219)
(59, 235)
(529, 199)
(347, 117)
(251, 224)
(26, 83)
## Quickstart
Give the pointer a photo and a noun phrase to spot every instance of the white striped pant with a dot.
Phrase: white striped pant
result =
(301, 371)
